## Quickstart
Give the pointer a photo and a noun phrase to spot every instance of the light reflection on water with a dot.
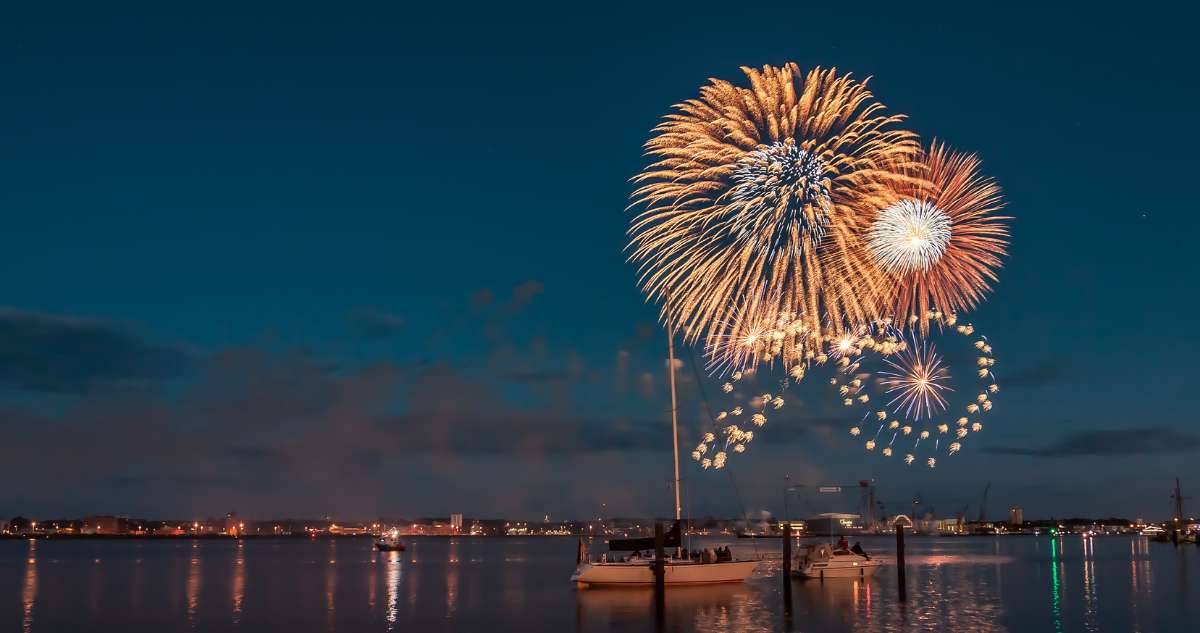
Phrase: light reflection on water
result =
(29, 588)
(467, 584)
(239, 581)
(394, 563)
(1089, 585)
(193, 585)
(331, 579)
(452, 579)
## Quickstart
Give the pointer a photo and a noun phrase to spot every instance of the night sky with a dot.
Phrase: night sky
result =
(365, 261)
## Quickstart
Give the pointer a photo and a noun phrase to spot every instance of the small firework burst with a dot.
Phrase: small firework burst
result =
(843, 346)
(917, 380)
(917, 383)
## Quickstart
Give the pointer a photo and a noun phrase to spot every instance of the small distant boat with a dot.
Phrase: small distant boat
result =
(390, 542)
(822, 561)
(1157, 534)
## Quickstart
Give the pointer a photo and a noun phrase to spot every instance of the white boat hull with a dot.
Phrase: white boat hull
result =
(821, 561)
(681, 573)
(853, 570)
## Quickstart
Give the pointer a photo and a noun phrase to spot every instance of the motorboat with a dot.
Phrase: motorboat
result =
(390, 542)
(822, 561)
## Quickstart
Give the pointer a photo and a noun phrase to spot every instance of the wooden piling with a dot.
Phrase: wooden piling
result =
(787, 569)
(660, 576)
(900, 562)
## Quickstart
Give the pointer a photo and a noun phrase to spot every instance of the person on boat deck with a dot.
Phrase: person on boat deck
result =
(857, 549)
(842, 544)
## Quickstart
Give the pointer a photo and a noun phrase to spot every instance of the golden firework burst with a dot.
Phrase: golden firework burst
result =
(755, 208)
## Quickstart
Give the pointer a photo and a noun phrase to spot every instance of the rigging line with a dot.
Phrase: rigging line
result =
(737, 495)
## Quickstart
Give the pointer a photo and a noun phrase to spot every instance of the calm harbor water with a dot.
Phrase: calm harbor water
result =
(1013, 583)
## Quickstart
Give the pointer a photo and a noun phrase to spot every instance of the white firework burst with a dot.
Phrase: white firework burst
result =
(909, 236)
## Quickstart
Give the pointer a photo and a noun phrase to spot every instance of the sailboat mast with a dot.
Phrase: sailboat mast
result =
(674, 413)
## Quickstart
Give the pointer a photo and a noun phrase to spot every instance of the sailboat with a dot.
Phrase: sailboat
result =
(678, 571)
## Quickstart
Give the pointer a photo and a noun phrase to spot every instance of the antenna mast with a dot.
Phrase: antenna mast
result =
(674, 414)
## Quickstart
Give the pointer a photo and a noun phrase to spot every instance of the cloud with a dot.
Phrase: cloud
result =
(538, 376)
(289, 432)
(373, 323)
(522, 295)
(1113, 443)
(470, 417)
(50, 353)
(481, 299)
(1043, 373)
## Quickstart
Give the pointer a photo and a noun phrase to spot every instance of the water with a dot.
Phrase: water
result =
(1014, 583)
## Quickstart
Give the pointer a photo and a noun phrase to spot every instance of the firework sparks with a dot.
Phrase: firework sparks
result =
(794, 221)
(917, 381)
(755, 209)
(780, 178)
(963, 236)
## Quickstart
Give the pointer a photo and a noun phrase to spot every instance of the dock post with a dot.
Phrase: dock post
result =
(660, 573)
(900, 561)
(787, 569)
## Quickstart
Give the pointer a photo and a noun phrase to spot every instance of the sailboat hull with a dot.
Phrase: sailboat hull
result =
(683, 573)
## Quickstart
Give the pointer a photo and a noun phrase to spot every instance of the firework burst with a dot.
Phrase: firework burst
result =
(944, 239)
(917, 380)
(916, 394)
(756, 208)
(909, 236)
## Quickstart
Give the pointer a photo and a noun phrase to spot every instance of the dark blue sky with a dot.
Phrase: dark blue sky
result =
(367, 260)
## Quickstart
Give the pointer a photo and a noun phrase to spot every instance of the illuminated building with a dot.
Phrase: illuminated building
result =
(104, 525)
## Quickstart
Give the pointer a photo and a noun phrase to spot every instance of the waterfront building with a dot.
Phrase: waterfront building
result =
(456, 522)
(1016, 518)
(21, 525)
(104, 524)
